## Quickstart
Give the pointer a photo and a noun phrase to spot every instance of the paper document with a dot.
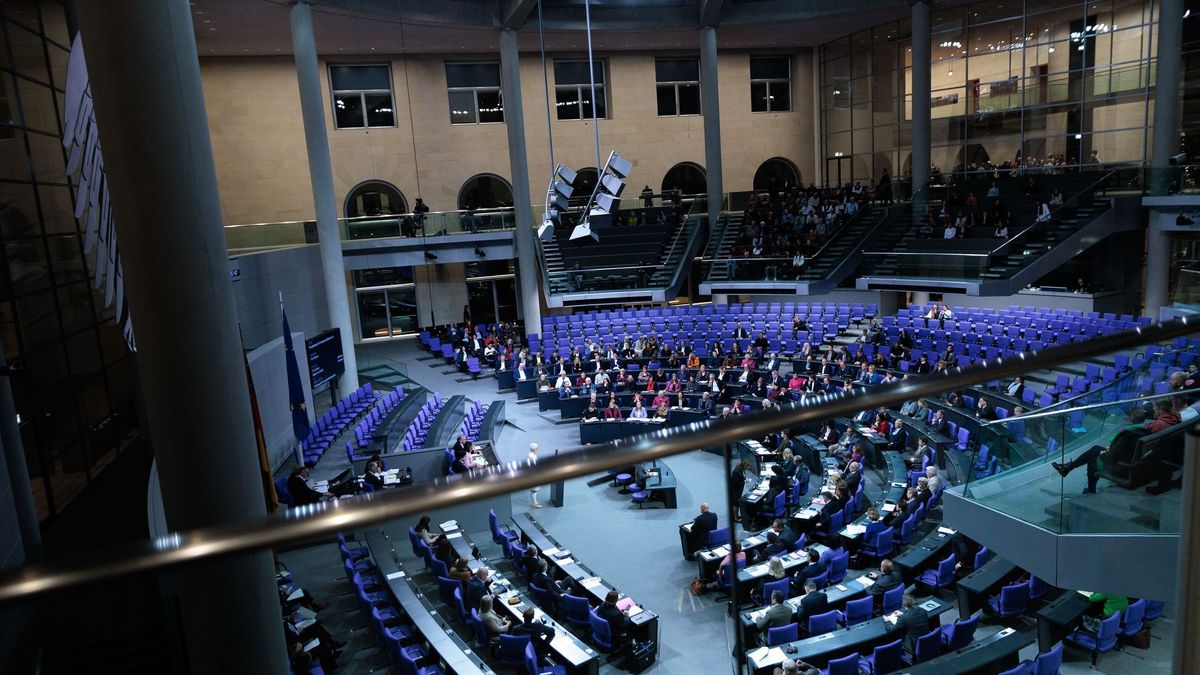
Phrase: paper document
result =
(551, 551)
(754, 541)
(887, 507)
(449, 524)
(306, 613)
(866, 581)
(765, 657)
(305, 624)
(945, 530)
(855, 530)
(757, 570)
(591, 582)
(455, 535)
(296, 595)
(722, 550)
(312, 645)
(1086, 594)
(840, 587)
(565, 561)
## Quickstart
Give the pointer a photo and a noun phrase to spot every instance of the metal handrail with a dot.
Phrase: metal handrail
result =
(306, 522)
(1073, 201)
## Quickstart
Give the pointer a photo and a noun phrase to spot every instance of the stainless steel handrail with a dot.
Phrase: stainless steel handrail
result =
(1090, 406)
(304, 523)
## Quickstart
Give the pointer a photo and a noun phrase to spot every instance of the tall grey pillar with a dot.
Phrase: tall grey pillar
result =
(190, 360)
(1165, 144)
(920, 95)
(316, 138)
(1186, 609)
(710, 105)
(518, 164)
(18, 470)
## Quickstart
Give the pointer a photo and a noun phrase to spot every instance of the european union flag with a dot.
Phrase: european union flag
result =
(295, 385)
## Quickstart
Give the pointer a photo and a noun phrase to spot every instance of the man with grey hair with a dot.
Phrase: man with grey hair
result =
(935, 481)
(796, 667)
(531, 460)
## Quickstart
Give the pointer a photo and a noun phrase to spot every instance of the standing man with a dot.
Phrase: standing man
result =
(531, 460)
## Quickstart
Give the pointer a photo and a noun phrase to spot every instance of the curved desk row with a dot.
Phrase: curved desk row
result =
(454, 654)
(643, 624)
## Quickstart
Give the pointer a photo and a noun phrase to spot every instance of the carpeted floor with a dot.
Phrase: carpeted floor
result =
(635, 549)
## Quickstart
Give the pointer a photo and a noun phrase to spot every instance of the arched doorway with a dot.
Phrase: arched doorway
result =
(585, 184)
(776, 174)
(374, 198)
(972, 153)
(485, 191)
(687, 178)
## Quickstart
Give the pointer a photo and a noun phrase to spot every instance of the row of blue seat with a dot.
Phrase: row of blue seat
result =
(335, 421)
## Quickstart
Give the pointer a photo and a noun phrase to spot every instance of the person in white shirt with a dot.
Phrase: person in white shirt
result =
(950, 232)
(531, 460)
(935, 481)
(1043, 211)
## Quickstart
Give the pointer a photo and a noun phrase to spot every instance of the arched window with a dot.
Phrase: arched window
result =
(374, 198)
(485, 191)
(776, 174)
(686, 177)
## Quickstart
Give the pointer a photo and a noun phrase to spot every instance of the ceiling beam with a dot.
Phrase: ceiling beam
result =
(710, 12)
(514, 13)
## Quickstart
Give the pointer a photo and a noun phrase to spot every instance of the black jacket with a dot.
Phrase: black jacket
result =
(737, 483)
(913, 623)
(811, 605)
(885, 582)
(705, 522)
(301, 493)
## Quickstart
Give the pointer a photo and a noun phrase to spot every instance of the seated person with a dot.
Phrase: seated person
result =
(814, 568)
(918, 456)
(906, 507)
(886, 579)
(540, 635)
(613, 412)
(493, 623)
(618, 620)
(592, 413)
(1122, 445)
(543, 580)
(703, 524)
(813, 603)
(639, 411)
(298, 487)
(374, 476)
(460, 571)
(774, 545)
(662, 412)
(912, 622)
(777, 615)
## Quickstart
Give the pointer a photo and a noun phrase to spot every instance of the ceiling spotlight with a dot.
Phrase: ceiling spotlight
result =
(584, 230)
(546, 230)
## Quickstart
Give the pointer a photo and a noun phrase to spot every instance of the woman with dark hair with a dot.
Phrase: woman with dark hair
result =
(422, 529)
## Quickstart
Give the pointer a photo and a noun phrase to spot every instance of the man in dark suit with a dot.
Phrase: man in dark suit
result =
(885, 580)
(814, 568)
(618, 621)
(705, 405)
(774, 545)
(898, 439)
(785, 534)
(737, 481)
(937, 423)
(542, 580)
(477, 587)
(912, 623)
(984, 409)
(853, 477)
(703, 524)
(298, 488)
(813, 603)
(374, 476)
(539, 633)
(740, 333)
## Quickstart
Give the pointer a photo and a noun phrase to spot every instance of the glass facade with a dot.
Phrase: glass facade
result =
(1066, 81)
(72, 376)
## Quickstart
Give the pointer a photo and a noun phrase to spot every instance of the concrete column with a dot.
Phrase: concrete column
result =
(1165, 144)
(710, 105)
(316, 138)
(514, 121)
(1186, 650)
(190, 360)
(18, 470)
(920, 94)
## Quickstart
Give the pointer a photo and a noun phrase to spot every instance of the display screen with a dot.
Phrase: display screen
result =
(325, 359)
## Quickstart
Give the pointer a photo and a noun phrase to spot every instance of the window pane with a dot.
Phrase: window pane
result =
(769, 68)
(587, 102)
(677, 70)
(379, 110)
(758, 97)
(576, 72)
(781, 96)
(462, 107)
(666, 100)
(689, 99)
(472, 74)
(347, 110)
(567, 103)
(359, 77)
(491, 108)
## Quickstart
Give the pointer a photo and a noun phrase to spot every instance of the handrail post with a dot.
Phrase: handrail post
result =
(739, 649)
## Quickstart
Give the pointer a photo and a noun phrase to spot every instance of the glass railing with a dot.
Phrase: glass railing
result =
(1186, 293)
(262, 236)
(929, 253)
(1086, 463)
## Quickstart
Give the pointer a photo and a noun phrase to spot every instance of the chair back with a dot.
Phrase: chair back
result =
(780, 505)
(835, 523)
(458, 604)
(1037, 587)
(907, 528)
(858, 611)
(822, 623)
(718, 537)
(782, 585)
(884, 543)
(413, 538)
(982, 557)
(1154, 609)
(837, 567)
(1014, 599)
(1048, 663)
(892, 599)
(424, 552)
(1106, 637)
(531, 660)
(512, 649)
(929, 646)
(601, 631)
(1131, 621)
(281, 489)
(945, 575)
(542, 597)
(963, 632)
(822, 579)
(493, 522)
(577, 609)
(887, 657)
(481, 636)
(446, 588)
(439, 568)
(847, 665)
(783, 634)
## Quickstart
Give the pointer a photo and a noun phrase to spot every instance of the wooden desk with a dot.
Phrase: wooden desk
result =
(857, 639)
(988, 656)
(1060, 617)
(643, 625)
(454, 654)
(975, 588)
